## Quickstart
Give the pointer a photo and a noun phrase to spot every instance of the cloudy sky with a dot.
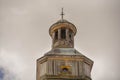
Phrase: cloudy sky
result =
(24, 37)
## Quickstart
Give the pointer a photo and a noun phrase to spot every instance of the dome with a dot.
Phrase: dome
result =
(62, 24)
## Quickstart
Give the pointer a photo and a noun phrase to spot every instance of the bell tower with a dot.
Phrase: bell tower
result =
(63, 61)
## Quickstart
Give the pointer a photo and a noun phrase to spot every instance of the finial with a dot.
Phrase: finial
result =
(62, 14)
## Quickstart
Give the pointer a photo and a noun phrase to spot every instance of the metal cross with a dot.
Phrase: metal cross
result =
(62, 14)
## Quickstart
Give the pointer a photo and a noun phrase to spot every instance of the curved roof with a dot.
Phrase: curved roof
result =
(62, 23)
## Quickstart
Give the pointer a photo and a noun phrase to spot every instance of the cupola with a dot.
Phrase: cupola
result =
(62, 33)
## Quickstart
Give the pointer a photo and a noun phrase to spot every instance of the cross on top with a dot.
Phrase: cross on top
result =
(62, 14)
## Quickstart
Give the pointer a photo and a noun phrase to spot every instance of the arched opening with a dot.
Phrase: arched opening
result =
(65, 70)
(63, 33)
(56, 35)
(70, 34)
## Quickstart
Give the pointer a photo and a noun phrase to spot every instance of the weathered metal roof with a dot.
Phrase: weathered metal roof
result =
(63, 51)
(62, 21)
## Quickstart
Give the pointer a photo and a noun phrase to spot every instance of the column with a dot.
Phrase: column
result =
(59, 34)
(53, 38)
(67, 32)
(72, 36)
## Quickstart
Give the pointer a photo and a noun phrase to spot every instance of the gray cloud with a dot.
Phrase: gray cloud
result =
(24, 26)
(6, 75)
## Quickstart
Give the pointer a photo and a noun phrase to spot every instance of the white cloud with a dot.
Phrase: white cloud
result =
(12, 64)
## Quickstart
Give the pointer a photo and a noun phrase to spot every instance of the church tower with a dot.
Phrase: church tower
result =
(63, 61)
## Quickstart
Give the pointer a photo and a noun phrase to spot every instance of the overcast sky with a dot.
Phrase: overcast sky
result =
(24, 36)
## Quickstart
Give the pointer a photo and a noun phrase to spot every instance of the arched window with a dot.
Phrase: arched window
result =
(63, 33)
(56, 35)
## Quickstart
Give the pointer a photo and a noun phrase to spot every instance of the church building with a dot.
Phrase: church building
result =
(63, 61)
